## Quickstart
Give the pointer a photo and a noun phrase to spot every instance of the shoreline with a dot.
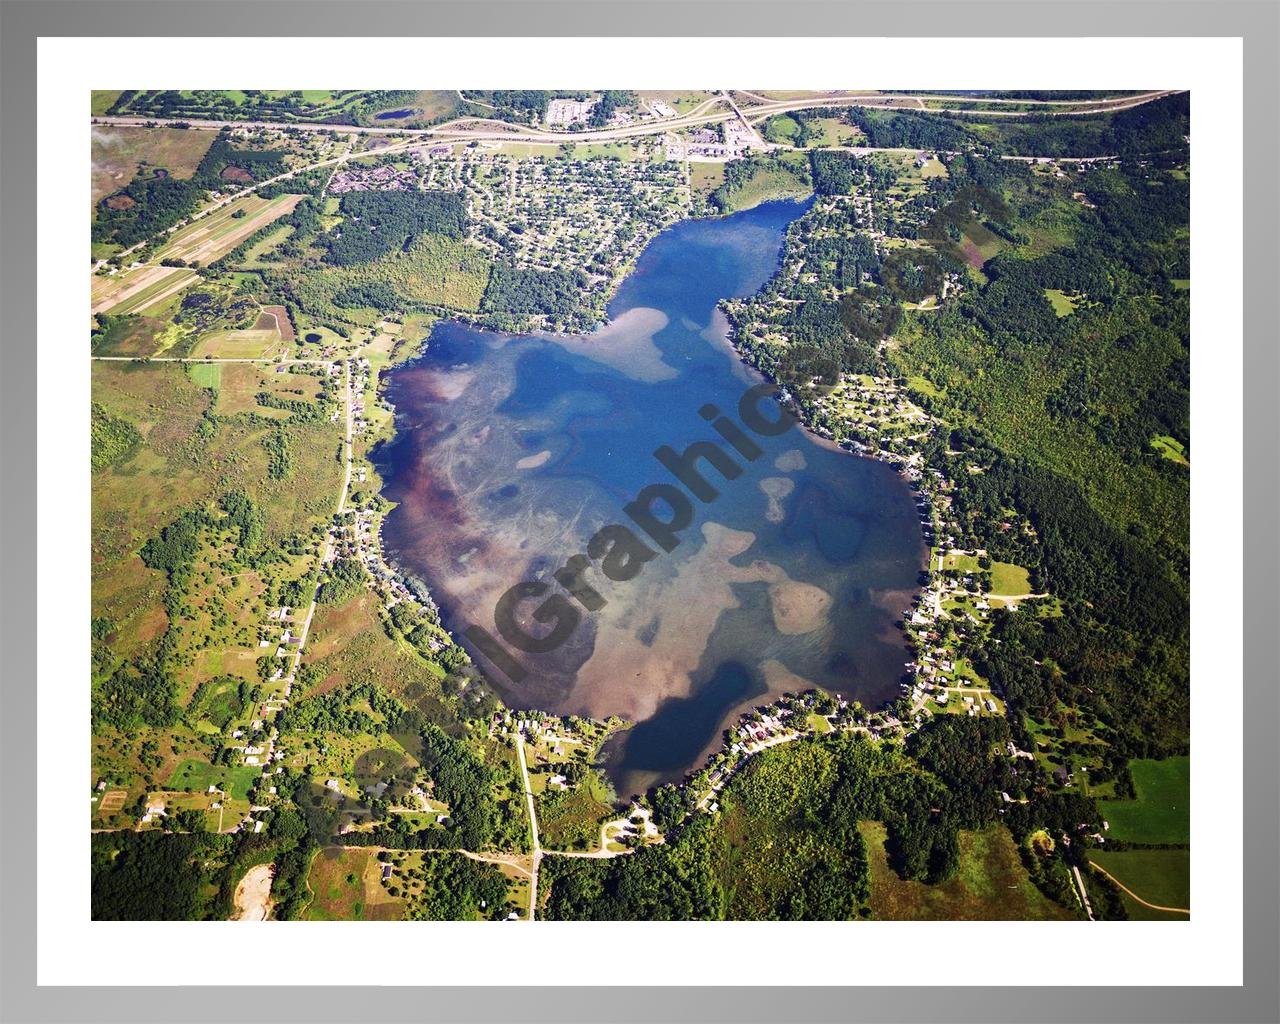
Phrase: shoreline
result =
(723, 329)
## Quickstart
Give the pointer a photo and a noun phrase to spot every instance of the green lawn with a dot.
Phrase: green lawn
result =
(1007, 578)
(1161, 813)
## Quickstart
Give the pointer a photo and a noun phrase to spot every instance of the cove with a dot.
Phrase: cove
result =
(511, 451)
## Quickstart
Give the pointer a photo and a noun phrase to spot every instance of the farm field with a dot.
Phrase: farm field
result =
(1161, 812)
(248, 344)
(1160, 877)
(134, 290)
(990, 884)
(216, 234)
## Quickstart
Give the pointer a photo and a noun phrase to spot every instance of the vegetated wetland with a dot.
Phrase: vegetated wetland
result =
(512, 451)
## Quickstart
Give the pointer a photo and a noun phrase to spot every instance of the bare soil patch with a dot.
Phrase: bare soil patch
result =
(253, 894)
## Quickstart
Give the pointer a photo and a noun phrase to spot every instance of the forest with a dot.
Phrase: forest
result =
(375, 223)
(786, 843)
(516, 290)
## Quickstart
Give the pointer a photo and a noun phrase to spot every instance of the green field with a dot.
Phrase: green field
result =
(766, 183)
(1161, 877)
(206, 375)
(346, 886)
(1161, 813)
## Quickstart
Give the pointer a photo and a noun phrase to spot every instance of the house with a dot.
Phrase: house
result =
(386, 872)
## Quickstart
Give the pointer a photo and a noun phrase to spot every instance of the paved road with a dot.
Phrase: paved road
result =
(1084, 893)
(466, 128)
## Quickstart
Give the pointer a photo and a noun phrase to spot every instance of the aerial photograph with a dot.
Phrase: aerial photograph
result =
(634, 505)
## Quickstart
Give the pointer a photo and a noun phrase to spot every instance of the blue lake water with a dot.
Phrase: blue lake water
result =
(511, 452)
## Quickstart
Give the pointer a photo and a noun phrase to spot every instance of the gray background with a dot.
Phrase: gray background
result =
(1258, 1000)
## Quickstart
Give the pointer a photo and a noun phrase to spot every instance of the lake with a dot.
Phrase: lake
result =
(512, 451)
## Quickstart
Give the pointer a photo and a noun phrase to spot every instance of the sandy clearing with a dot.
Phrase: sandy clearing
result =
(253, 894)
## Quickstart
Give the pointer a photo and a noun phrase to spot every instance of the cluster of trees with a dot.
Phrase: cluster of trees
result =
(610, 102)
(341, 582)
(898, 129)
(244, 516)
(375, 223)
(144, 207)
(1156, 128)
(279, 456)
(350, 106)
(549, 292)
(149, 876)
(299, 409)
(451, 887)
(335, 712)
(462, 780)
(257, 164)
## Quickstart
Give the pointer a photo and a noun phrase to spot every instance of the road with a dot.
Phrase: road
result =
(328, 544)
(467, 128)
(1084, 893)
(533, 827)
(208, 359)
